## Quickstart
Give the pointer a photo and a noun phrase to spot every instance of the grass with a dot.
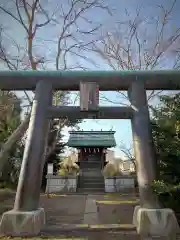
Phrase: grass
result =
(109, 202)
(39, 238)
(6, 200)
(118, 196)
(112, 195)
(120, 226)
(6, 192)
(50, 195)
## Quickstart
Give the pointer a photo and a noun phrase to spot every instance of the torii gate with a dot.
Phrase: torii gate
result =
(26, 218)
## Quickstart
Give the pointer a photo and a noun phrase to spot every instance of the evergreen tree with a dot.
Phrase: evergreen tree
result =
(166, 134)
(10, 111)
(55, 156)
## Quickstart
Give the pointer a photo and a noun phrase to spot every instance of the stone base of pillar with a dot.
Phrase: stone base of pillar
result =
(20, 224)
(155, 223)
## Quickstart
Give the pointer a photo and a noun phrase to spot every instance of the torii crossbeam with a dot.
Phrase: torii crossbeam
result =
(26, 218)
(107, 80)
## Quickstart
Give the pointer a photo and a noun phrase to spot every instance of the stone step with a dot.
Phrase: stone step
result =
(91, 181)
(66, 226)
(95, 177)
(84, 165)
(91, 170)
(108, 231)
(91, 165)
(98, 173)
(89, 184)
(91, 175)
(88, 162)
(90, 189)
(88, 168)
(92, 186)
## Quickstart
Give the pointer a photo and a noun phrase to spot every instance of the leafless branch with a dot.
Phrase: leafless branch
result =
(127, 151)
(76, 34)
(128, 47)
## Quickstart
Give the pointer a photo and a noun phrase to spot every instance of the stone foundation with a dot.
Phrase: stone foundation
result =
(155, 223)
(16, 223)
(57, 184)
(124, 184)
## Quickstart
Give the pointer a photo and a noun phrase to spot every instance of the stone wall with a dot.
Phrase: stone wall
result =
(120, 184)
(57, 184)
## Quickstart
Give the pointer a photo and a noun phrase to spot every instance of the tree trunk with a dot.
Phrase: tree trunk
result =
(17, 134)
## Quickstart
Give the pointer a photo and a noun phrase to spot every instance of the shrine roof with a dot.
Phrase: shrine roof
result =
(91, 139)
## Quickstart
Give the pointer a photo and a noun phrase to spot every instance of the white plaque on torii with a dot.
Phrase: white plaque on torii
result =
(89, 96)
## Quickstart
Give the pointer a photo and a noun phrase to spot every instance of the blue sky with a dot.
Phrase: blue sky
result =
(123, 133)
(121, 12)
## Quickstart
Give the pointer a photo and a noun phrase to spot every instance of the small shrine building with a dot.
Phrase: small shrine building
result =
(92, 147)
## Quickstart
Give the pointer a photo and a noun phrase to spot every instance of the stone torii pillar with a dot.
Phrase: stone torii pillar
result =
(143, 144)
(149, 218)
(26, 218)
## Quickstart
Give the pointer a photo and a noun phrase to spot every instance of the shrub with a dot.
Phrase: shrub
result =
(168, 194)
(110, 170)
(68, 167)
(62, 172)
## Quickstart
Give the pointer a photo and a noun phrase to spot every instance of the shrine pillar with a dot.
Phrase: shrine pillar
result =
(143, 144)
(149, 218)
(26, 218)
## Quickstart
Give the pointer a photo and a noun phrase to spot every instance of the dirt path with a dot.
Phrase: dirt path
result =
(65, 214)
(74, 209)
(64, 209)
(97, 211)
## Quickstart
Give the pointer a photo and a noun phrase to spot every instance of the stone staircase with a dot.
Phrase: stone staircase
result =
(91, 232)
(91, 179)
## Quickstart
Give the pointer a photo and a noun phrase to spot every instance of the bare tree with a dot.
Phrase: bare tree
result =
(52, 36)
(141, 44)
(128, 153)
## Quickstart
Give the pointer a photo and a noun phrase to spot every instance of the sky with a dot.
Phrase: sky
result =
(122, 10)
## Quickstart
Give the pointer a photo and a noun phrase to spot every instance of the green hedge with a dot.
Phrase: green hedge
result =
(169, 195)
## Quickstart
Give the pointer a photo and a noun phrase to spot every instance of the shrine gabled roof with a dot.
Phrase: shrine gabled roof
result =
(91, 139)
